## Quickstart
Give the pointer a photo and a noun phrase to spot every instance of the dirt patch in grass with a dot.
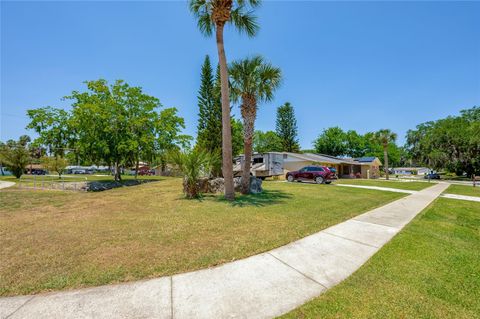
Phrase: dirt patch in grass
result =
(57, 240)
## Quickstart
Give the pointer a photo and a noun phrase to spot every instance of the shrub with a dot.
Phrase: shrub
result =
(193, 165)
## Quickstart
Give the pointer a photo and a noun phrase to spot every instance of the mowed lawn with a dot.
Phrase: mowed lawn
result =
(429, 270)
(414, 186)
(463, 190)
(55, 240)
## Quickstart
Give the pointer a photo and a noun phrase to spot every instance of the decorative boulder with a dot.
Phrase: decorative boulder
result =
(216, 185)
(255, 185)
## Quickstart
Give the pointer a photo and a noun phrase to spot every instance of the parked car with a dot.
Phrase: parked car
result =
(317, 174)
(432, 176)
(37, 171)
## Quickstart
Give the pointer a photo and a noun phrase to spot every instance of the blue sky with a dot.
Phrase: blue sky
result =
(358, 65)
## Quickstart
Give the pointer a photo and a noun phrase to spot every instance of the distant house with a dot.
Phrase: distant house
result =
(410, 170)
(364, 167)
(36, 169)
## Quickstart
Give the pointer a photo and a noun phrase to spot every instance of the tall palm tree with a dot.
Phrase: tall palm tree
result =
(213, 15)
(385, 137)
(252, 81)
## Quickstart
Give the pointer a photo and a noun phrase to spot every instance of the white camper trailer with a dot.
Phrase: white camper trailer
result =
(263, 165)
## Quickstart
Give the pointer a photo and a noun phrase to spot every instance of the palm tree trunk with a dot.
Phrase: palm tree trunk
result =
(385, 159)
(248, 114)
(227, 160)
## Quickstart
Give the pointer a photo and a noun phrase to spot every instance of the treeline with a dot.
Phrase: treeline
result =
(116, 125)
(337, 142)
(209, 127)
(452, 143)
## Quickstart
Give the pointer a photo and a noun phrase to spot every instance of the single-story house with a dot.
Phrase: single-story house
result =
(410, 170)
(364, 167)
(36, 169)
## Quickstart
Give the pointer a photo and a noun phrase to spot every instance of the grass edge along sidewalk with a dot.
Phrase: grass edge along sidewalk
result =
(428, 270)
(263, 285)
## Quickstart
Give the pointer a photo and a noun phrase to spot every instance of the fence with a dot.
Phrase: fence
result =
(52, 182)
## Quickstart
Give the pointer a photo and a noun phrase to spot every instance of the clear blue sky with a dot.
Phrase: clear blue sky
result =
(358, 65)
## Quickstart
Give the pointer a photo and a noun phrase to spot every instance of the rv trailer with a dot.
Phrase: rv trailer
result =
(263, 165)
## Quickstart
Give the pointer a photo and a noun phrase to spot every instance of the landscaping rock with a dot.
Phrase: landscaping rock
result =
(255, 185)
(216, 185)
(105, 185)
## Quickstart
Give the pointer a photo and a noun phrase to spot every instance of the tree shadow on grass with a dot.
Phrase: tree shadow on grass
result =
(267, 197)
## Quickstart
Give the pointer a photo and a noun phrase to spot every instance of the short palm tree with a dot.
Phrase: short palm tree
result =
(193, 165)
(385, 137)
(213, 15)
(252, 81)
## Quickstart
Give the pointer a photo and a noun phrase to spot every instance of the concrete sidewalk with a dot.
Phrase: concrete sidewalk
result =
(261, 286)
(6, 184)
(379, 188)
(462, 197)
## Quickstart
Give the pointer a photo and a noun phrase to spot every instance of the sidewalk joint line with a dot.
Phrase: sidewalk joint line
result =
(19, 307)
(301, 273)
(171, 297)
(355, 241)
(398, 228)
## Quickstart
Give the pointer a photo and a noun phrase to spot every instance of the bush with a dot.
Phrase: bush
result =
(194, 165)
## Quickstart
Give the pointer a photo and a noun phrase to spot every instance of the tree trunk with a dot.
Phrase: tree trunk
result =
(118, 176)
(385, 159)
(248, 114)
(136, 168)
(227, 160)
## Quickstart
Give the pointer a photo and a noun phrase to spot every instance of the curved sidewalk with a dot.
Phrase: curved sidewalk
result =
(261, 286)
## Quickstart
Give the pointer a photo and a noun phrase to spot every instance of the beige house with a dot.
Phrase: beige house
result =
(364, 167)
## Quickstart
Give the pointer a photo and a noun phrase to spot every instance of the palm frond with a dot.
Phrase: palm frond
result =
(254, 77)
(201, 10)
(244, 21)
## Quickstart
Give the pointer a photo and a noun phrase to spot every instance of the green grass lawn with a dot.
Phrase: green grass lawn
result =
(463, 190)
(430, 270)
(57, 240)
(416, 186)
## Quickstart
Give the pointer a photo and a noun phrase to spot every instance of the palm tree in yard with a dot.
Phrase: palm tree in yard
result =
(385, 137)
(213, 15)
(252, 81)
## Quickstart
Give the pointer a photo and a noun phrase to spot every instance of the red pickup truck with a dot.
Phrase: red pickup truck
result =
(317, 174)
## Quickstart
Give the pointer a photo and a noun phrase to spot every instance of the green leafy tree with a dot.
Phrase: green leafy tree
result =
(16, 155)
(452, 143)
(355, 144)
(53, 127)
(168, 137)
(286, 128)
(213, 15)
(253, 81)
(332, 141)
(268, 141)
(54, 164)
(384, 137)
(120, 121)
